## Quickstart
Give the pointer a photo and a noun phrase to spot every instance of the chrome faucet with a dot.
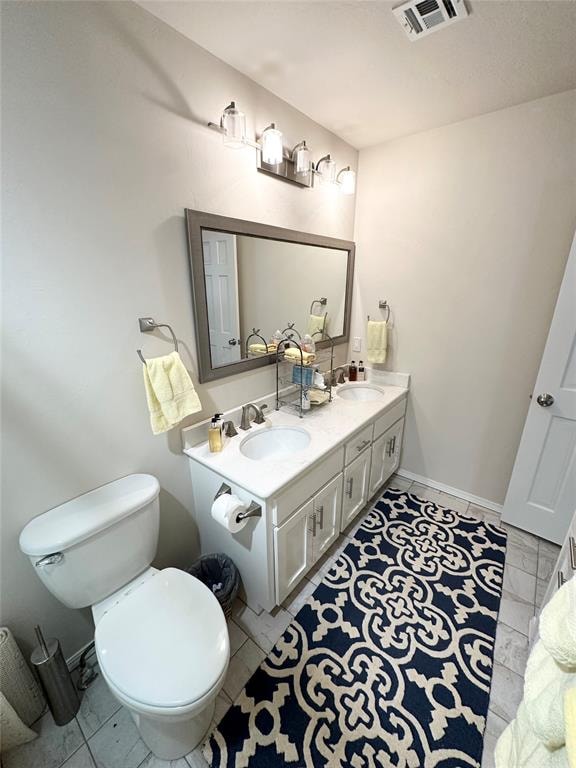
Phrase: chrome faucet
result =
(338, 375)
(258, 419)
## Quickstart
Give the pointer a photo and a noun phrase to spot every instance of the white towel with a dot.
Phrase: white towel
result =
(377, 341)
(518, 747)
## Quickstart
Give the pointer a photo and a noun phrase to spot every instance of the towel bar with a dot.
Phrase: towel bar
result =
(148, 324)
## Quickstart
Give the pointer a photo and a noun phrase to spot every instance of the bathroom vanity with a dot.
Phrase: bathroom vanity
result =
(311, 477)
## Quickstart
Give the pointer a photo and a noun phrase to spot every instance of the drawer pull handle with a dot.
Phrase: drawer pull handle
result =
(350, 484)
(393, 448)
(313, 517)
(389, 447)
(321, 513)
(572, 547)
(362, 445)
(561, 579)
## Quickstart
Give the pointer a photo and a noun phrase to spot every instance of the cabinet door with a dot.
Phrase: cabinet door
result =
(377, 463)
(355, 488)
(293, 545)
(327, 511)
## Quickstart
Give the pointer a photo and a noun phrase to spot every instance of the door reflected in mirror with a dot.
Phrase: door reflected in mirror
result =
(249, 277)
(253, 282)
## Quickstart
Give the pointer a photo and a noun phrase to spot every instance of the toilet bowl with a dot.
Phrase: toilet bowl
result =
(161, 637)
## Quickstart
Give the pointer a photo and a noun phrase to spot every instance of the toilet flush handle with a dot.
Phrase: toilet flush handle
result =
(53, 559)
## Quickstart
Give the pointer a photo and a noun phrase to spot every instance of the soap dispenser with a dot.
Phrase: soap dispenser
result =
(352, 371)
(215, 439)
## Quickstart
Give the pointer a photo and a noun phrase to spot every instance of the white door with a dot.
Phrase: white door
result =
(327, 510)
(541, 496)
(355, 488)
(293, 550)
(221, 277)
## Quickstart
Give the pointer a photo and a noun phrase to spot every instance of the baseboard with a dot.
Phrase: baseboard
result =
(74, 660)
(478, 500)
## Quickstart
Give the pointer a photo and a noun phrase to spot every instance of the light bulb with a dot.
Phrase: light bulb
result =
(347, 181)
(301, 159)
(233, 123)
(271, 144)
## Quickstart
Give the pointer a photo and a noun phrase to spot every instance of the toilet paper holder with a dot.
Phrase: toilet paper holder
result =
(254, 510)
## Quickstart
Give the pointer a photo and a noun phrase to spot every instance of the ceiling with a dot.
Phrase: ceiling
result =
(350, 67)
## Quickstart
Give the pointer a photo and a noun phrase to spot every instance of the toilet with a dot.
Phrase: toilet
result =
(161, 637)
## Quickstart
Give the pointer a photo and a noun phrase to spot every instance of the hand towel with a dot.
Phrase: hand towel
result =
(570, 719)
(558, 625)
(377, 341)
(169, 391)
(261, 349)
(316, 323)
(293, 353)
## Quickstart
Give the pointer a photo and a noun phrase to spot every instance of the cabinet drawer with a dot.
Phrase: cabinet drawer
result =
(385, 421)
(302, 488)
(358, 443)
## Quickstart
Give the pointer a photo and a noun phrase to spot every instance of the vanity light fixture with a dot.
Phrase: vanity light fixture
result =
(327, 173)
(271, 145)
(347, 180)
(233, 125)
(301, 159)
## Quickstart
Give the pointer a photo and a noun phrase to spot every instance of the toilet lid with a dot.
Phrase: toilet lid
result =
(166, 643)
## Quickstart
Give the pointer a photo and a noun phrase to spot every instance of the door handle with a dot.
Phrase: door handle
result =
(545, 400)
(561, 579)
(350, 484)
(232, 342)
(389, 447)
(321, 513)
(572, 547)
(393, 448)
(313, 517)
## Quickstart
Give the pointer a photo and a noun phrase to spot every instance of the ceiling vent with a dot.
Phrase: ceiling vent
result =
(419, 19)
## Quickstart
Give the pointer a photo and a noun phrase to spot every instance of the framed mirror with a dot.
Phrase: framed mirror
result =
(250, 280)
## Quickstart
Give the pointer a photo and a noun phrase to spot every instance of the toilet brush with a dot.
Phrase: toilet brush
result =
(55, 678)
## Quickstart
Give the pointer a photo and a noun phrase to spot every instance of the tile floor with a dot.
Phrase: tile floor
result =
(104, 736)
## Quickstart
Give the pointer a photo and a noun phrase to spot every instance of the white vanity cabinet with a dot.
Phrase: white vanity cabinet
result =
(356, 479)
(385, 455)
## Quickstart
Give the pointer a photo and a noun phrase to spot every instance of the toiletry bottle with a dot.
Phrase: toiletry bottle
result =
(215, 441)
(305, 400)
(361, 372)
(308, 344)
(352, 372)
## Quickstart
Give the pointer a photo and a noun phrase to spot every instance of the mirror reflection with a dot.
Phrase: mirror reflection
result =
(264, 284)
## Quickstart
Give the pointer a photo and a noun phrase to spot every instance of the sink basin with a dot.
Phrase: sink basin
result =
(360, 392)
(275, 443)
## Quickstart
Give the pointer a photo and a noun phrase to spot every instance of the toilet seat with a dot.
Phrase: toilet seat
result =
(164, 647)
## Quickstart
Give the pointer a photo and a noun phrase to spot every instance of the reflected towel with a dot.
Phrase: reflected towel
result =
(293, 353)
(377, 341)
(316, 323)
(169, 391)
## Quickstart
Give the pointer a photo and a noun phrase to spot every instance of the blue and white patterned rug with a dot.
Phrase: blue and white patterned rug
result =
(389, 663)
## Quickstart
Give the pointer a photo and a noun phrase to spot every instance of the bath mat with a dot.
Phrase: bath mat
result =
(389, 664)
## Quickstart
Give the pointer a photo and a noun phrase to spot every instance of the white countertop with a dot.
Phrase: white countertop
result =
(329, 426)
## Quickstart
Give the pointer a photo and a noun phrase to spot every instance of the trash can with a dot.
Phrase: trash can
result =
(221, 576)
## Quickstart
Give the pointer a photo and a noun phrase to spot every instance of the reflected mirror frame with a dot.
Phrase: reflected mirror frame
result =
(196, 221)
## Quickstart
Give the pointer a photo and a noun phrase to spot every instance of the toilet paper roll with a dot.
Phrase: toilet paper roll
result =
(225, 509)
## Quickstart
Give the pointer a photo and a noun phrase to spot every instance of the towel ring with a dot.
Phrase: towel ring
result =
(322, 301)
(384, 305)
(148, 324)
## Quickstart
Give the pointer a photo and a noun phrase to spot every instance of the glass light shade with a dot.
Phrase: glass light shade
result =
(347, 179)
(327, 170)
(234, 125)
(271, 144)
(301, 158)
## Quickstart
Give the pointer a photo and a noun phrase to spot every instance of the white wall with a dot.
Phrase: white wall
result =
(465, 230)
(104, 145)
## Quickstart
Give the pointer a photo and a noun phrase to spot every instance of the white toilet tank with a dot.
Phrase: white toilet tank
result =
(91, 546)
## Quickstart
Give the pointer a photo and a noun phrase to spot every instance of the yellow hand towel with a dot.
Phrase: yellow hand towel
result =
(261, 349)
(293, 353)
(377, 341)
(169, 390)
(316, 323)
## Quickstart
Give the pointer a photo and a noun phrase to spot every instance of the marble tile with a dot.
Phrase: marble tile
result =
(541, 588)
(506, 692)
(515, 612)
(425, 492)
(299, 596)
(399, 483)
(237, 637)
(118, 743)
(321, 568)
(53, 746)
(242, 666)
(484, 514)
(495, 724)
(488, 751)
(154, 762)
(547, 559)
(520, 583)
(264, 628)
(80, 759)
(511, 649)
(521, 549)
(97, 705)
(453, 502)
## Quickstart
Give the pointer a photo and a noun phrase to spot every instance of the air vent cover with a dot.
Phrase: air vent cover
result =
(420, 18)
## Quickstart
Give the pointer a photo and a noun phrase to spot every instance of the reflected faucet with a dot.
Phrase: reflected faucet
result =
(258, 419)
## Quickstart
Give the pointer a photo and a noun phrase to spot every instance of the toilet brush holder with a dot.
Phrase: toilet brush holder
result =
(55, 678)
